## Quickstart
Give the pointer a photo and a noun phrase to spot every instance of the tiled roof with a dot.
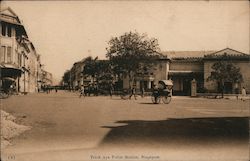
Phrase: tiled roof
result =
(8, 11)
(226, 52)
(186, 54)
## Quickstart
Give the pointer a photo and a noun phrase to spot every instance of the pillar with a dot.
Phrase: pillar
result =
(193, 88)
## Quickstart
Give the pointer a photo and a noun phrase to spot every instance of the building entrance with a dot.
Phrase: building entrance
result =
(228, 87)
(187, 87)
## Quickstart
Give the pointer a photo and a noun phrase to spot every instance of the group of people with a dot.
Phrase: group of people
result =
(47, 89)
(92, 89)
(132, 92)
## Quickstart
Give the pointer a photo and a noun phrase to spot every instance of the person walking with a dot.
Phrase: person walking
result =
(236, 90)
(243, 93)
(111, 89)
(133, 92)
(82, 91)
(142, 92)
(96, 89)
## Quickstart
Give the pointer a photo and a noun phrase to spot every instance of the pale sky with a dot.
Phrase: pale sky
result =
(64, 32)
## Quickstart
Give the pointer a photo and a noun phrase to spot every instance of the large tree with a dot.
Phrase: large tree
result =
(66, 78)
(132, 53)
(98, 69)
(225, 71)
(90, 66)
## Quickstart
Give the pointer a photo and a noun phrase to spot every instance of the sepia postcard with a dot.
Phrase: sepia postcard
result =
(124, 80)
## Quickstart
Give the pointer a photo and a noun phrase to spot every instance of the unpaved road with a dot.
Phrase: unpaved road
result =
(65, 127)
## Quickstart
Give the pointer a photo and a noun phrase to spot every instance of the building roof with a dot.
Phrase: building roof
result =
(9, 16)
(186, 54)
(200, 55)
(227, 52)
(8, 11)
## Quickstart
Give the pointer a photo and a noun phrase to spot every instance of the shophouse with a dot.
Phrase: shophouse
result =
(20, 66)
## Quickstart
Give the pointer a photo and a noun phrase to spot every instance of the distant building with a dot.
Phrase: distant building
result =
(182, 67)
(185, 66)
(19, 62)
(47, 79)
(151, 77)
(239, 59)
(77, 77)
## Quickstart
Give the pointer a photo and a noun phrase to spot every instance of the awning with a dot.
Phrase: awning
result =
(184, 73)
(11, 72)
(166, 82)
(9, 78)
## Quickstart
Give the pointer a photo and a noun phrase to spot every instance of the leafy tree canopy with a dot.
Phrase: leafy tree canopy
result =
(66, 77)
(90, 66)
(132, 52)
(225, 71)
(98, 69)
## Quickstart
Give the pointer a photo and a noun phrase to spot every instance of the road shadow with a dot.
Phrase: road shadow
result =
(187, 131)
(149, 103)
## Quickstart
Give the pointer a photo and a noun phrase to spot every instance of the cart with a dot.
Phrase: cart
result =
(163, 91)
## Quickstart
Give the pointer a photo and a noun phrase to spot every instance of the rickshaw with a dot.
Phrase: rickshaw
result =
(162, 92)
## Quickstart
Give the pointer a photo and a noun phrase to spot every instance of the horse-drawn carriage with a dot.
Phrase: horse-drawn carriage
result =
(162, 92)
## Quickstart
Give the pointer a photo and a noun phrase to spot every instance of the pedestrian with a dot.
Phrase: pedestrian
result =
(155, 93)
(237, 92)
(111, 89)
(47, 89)
(133, 93)
(96, 90)
(82, 91)
(243, 93)
(142, 92)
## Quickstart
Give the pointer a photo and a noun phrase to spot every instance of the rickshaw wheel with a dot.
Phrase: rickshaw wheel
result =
(155, 100)
(166, 99)
(4, 95)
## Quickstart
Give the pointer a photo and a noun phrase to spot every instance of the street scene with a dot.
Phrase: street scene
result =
(137, 81)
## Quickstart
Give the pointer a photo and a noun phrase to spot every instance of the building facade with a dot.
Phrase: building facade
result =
(146, 80)
(76, 75)
(19, 62)
(47, 79)
(184, 67)
(74, 78)
(238, 59)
